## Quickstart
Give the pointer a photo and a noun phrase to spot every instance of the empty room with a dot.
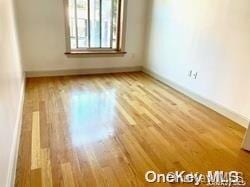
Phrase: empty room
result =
(112, 93)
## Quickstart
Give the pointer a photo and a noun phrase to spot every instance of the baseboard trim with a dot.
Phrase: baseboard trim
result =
(16, 140)
(82, 71)
(234, 116)
(246, 141)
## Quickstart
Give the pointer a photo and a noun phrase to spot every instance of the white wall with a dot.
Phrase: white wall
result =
(11, 81)
(42, 33)
(211, 37)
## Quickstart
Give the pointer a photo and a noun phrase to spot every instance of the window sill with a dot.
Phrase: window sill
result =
(95, 53)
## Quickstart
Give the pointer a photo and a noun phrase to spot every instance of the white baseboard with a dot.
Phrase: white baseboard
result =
(246, 141)
(82, 71)
(16, 140)
(234, 116)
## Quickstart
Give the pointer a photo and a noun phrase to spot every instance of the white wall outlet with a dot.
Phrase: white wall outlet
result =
(190, 73)
(195, 75)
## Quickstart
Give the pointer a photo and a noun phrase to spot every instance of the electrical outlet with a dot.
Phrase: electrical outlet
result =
(190, 73)
(195, 75)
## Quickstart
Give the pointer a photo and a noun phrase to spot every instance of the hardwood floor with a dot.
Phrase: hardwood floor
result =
(108, 130)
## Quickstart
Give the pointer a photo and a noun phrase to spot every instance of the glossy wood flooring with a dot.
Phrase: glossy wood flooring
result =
(108, 130)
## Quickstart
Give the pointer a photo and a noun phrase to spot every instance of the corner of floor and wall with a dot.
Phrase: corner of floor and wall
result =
(200, 49)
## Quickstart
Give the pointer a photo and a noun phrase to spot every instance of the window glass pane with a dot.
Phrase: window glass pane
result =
(106, 23)
(72, 24)
(95, 23)
(82, 23)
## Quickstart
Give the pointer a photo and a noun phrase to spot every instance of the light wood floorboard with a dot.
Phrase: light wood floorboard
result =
(108, 130)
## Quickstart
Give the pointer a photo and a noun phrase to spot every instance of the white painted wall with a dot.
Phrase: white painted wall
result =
(11, 81)
(211, 37)
(42, 34)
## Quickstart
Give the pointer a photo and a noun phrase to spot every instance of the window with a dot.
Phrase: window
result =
(95, 26)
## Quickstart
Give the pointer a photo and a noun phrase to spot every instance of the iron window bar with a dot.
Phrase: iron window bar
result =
(76, 23)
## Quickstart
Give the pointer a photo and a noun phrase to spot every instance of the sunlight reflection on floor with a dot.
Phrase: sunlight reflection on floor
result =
(85, 107)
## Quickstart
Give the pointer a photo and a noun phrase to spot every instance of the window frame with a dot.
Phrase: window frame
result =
(121, 33)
